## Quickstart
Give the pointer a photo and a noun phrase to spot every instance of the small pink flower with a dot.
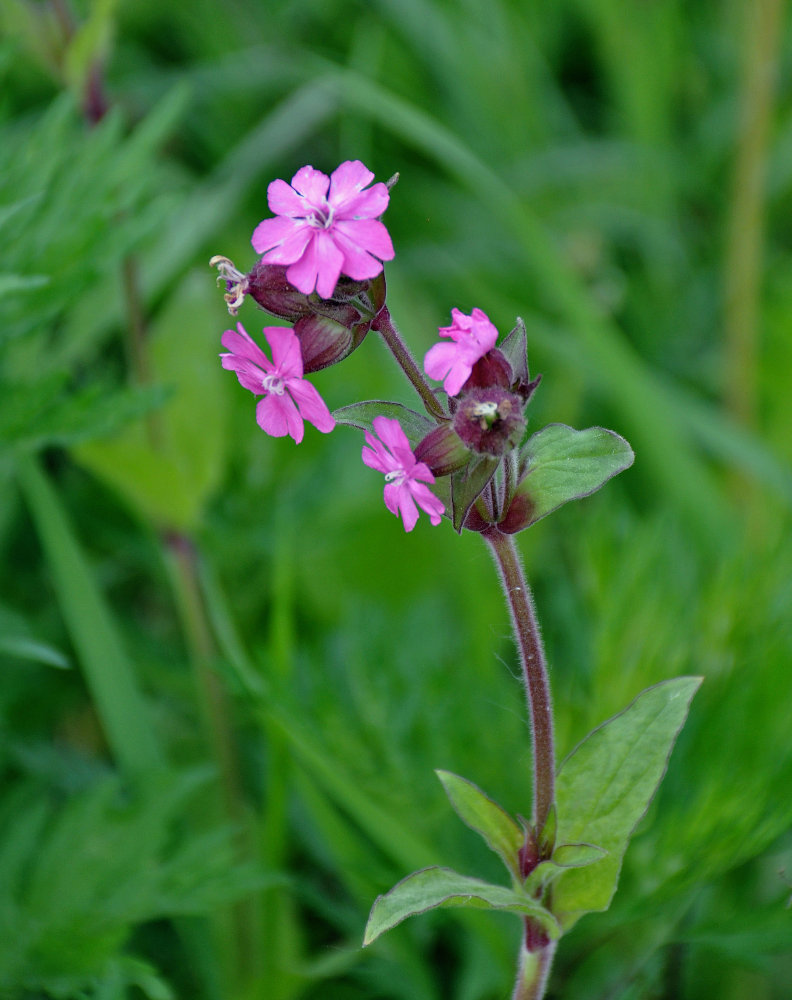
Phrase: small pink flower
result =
(472, 336)
(403, 474)
(323, 234)
(288, 398)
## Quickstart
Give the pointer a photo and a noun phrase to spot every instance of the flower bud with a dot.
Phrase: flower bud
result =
(442, 450)
(325, 341)
(267, 285)
(490, 421)
(328, 329)
(490, 370)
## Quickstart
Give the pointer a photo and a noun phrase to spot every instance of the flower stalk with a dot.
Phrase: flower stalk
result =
(384, 324)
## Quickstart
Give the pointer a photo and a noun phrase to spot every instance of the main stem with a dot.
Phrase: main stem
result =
(532, 658)
(383, 323)
(536, 950)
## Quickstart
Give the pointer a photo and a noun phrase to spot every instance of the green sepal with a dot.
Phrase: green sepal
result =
(467, 486)
(361, 415)
(605, 786)
(515, 350)
(559, 464)
(435, 888)
(476, 810)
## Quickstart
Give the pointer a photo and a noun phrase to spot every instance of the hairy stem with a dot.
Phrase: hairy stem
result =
(532, 658)
(384, 324)
(536, 952)
(533, 973)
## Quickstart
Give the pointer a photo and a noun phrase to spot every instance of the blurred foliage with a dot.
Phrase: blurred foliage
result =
(231, 601)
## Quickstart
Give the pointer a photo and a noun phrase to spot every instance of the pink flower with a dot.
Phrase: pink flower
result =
(325, 234)
(472, 337)
(288, 398)
(403, 474)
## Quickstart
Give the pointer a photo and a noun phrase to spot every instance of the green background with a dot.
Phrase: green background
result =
(227, 673)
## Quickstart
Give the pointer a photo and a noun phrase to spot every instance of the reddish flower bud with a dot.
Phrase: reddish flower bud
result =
(328, 329)
(442, 450)
(490, 370)
(325, 341)
(490, 421)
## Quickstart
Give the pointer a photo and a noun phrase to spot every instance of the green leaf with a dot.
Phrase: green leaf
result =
(468, 484)
(558, 464)
(487, 818)
(434, 888)
(361, 415)
(110, 675)
(565, 857)
(605, 786)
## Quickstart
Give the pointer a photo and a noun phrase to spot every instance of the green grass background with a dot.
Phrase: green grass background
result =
(227, 673)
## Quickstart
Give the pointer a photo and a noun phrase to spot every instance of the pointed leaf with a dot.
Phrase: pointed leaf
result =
(605, 786)
(487, 818)
(361, 415)
(558, 464)
(433, 888)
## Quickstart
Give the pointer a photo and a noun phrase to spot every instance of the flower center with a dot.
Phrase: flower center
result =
(322, 217)
(273, 384)
(398, 476)
(485, 414)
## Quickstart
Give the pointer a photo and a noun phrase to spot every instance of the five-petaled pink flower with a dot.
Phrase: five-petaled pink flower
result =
(288, 398)
(404, 476)
(324, 233)
(472, 336)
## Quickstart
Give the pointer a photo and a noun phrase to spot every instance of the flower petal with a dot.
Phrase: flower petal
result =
(346, 183)
(293, 246)
(329, 261)
(250, 376)
(239, 342)
(440, 359)
(284, 200)
(278, 416)
(310, 404)
(376, 456)
(398, 498)
(273, 232)
(427, 501)
(368, 204)
(312, 184)
(286, 354)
